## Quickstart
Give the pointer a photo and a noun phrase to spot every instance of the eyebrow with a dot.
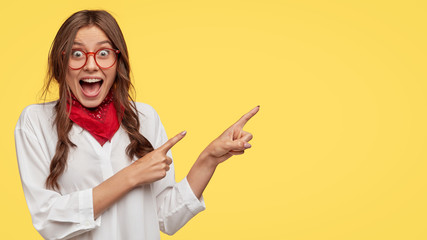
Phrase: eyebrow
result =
(98, 43)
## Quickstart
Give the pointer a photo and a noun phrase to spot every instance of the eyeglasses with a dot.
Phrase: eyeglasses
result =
(104, 58)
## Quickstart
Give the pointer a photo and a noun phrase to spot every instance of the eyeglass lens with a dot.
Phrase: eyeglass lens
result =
(104, 58)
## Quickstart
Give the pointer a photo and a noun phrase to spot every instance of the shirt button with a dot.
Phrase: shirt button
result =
(87, 223)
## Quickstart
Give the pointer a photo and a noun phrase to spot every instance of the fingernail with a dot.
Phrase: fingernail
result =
(247, 145)
(183, 133)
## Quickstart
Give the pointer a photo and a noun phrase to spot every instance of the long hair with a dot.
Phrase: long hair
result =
(122, 86)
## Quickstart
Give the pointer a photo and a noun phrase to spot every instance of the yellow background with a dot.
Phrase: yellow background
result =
(339, 149)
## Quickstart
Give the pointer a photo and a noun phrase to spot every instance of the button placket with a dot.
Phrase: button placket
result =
(105, 155)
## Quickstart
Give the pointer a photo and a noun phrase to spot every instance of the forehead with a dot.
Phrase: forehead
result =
(90, 36)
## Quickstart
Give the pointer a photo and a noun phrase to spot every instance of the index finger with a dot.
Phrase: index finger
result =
(245, 118)
(171, 142)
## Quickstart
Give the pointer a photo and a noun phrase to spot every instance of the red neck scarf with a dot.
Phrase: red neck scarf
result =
(101, 122)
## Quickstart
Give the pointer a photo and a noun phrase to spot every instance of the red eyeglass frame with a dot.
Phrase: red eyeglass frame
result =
(94, 58)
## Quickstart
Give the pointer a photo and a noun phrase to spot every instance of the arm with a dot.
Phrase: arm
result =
(58, 216)
(178, 203)
(146, 170)
(153, 166)
(233, 141)
(54, 215)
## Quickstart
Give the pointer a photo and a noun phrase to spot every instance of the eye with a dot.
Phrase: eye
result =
(104, 53)
(77, 53)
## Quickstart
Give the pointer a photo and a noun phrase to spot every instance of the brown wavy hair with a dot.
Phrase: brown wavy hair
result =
(122, 87)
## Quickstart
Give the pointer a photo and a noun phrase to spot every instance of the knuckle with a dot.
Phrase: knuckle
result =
(156, 153)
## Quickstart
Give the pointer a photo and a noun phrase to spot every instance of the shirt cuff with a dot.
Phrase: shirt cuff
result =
(190, 200)
(86, 213)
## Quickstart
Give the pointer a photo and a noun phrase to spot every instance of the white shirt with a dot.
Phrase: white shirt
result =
(68, 214)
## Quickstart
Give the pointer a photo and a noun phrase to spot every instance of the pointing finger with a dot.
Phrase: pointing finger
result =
(171, 142)
(245, 118)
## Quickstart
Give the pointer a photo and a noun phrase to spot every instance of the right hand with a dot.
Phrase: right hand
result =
(154, 165)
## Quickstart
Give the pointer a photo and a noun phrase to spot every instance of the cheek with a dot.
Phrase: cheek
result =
(111, 76)
(70, 76)
(70, 79)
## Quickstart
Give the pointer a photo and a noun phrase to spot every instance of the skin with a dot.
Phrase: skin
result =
(153, 166)
(90, 39)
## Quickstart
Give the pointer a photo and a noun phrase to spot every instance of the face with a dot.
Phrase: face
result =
(91, 84)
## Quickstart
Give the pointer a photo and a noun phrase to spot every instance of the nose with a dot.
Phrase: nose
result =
(91, 64)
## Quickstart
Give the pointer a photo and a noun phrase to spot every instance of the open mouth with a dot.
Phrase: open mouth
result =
(91, 86)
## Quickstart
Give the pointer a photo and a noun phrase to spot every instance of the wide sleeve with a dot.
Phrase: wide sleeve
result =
(55, 216)
(176, 202)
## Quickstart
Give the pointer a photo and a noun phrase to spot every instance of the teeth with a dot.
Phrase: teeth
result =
(91, 80)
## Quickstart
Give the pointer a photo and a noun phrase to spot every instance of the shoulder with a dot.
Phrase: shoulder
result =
(146, 112)
(35, 115)
(150, 123)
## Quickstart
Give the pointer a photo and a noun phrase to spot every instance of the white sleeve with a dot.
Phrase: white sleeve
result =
(54, 216)
(176, 202)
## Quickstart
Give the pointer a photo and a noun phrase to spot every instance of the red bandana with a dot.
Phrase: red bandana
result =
(101, 122)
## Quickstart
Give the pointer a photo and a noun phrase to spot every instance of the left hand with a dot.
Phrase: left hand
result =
(233, 141)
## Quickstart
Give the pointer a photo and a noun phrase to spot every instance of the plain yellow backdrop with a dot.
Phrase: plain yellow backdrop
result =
(339, 149)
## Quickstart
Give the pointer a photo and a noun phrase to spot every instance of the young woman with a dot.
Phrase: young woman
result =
(95, 164)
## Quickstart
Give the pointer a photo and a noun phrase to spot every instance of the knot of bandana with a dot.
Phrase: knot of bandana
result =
(101, 122)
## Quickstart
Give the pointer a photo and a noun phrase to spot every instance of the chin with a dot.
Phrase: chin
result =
(90, 91)
(91, 103)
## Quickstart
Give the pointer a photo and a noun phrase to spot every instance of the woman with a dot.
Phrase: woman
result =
(96, 165)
